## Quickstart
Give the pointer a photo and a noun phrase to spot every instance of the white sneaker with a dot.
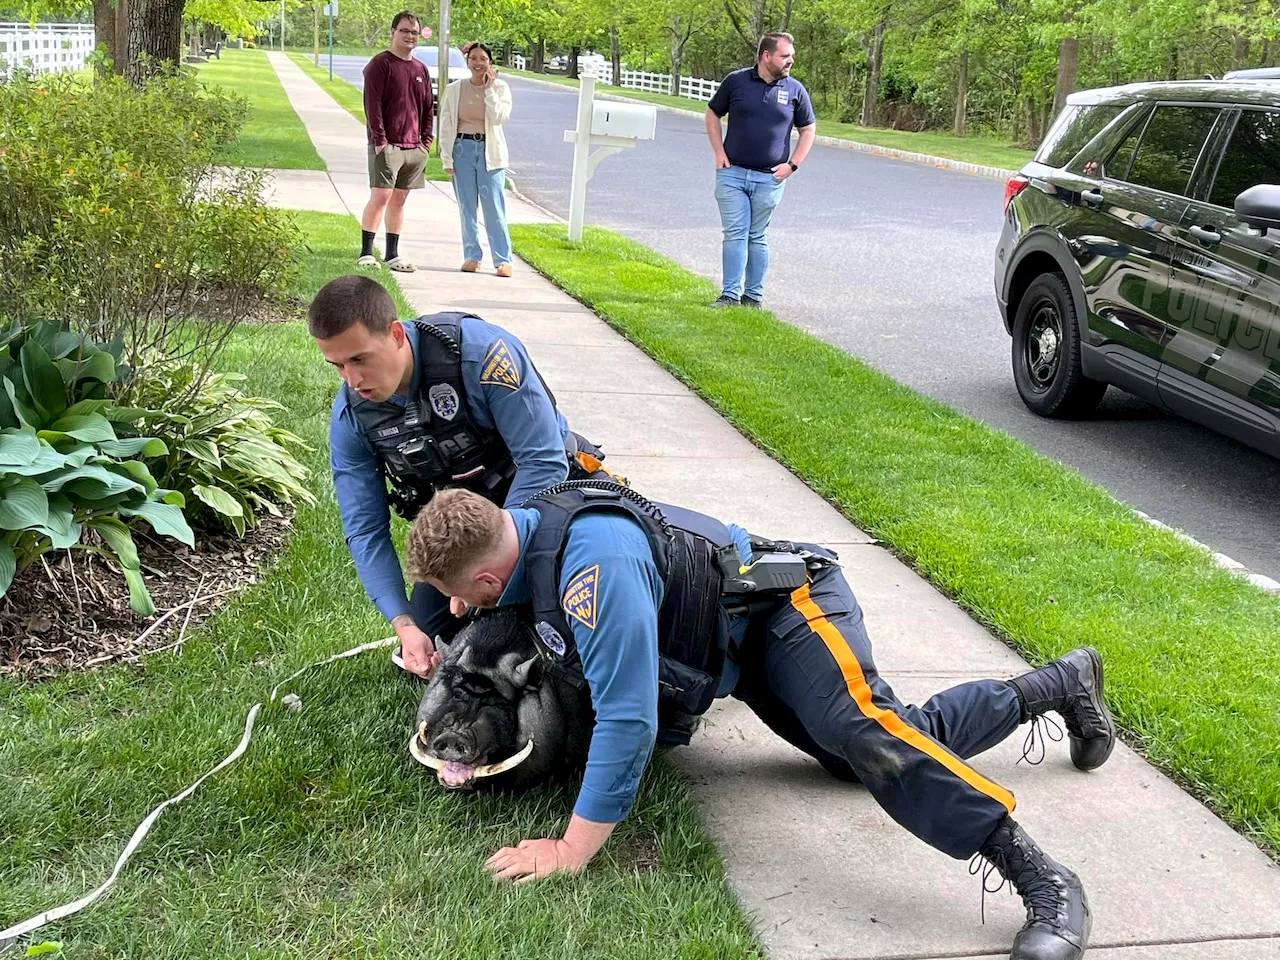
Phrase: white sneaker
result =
(369, 260)
(401, 265)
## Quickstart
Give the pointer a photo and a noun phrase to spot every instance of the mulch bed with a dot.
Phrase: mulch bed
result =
(72, 611)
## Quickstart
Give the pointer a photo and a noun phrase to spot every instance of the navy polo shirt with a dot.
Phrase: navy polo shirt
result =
(761, 116)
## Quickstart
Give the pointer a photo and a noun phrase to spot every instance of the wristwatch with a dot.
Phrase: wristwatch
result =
(792, 165)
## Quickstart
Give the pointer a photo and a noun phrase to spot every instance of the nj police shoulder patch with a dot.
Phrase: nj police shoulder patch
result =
(499, 368)
(580, 597)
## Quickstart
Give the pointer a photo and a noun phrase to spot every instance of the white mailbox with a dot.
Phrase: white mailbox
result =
(612, 119)
(610, 127)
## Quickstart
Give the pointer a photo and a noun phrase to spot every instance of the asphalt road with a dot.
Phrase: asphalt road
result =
(892, 261)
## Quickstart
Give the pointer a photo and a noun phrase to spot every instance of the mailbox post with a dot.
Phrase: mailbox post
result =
(611, 126)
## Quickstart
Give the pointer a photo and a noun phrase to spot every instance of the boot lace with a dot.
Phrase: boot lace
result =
(1026, 875)
(1043, 729)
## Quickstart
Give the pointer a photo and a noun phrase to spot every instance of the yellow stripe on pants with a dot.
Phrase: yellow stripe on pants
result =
(890, 721)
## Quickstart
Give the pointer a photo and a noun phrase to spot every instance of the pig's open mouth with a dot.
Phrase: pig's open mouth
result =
(455, 775)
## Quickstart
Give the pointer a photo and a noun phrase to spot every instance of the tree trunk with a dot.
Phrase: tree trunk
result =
(573, 62)
(539, 55)
(962, 94)
(677, 56)
(1068, 69)
(871, 95)
(758, 12)
(1239, 52)
(195, 50)
(1032, 122)
(155, 36)
(315, 30)
(786, 17)
(615, 54)
(110, 26)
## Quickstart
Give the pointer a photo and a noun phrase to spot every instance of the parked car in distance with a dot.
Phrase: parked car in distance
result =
(430, 56)
(1141, 249)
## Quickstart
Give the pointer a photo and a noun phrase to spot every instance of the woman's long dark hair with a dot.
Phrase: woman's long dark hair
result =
(466, 51)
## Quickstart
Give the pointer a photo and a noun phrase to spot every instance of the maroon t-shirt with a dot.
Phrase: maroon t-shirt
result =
(397, 101)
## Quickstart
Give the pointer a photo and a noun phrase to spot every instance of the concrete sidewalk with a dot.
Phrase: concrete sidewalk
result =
(823, 872)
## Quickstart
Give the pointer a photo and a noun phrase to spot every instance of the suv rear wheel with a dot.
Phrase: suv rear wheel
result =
(1046, 352)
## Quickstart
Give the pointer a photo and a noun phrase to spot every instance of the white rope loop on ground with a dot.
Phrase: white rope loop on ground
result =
(9, 936)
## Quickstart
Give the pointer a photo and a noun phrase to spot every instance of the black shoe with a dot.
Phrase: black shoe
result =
(724, 300)
(1072, 685)
(751, 302)
(1058, 916)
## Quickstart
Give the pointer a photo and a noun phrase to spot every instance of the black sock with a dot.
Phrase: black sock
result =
(366, 243)
(393, 246)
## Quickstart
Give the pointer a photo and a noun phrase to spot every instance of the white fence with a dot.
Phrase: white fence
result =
(44, 48)
(691, 87)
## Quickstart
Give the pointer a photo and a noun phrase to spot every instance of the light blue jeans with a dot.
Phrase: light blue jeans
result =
(747, 199)
(474, 183)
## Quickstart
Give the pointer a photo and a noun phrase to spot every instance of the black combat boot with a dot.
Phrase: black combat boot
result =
(1058, 917)
(1072, 685)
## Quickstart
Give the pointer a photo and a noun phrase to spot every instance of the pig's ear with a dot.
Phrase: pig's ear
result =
(528, 673)
(442, 648)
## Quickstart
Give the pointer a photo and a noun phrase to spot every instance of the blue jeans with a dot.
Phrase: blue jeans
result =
(746, 199)
(473, 182)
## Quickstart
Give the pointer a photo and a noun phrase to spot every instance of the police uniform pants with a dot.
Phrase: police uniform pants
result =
(808, 673)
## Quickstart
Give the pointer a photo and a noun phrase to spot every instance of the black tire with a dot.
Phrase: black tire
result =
(1046, 352)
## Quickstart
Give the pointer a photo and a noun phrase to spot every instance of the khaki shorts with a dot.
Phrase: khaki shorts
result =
(398, 168)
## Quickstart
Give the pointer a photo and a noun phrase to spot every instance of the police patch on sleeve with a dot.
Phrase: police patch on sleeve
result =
(499, 368)
(580, 597)
(444, 400)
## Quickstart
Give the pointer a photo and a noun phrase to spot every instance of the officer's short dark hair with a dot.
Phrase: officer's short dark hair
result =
(405, 15)
(769, 43)
(346, 301)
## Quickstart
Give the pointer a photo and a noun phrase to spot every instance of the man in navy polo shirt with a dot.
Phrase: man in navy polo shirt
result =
(754, 161)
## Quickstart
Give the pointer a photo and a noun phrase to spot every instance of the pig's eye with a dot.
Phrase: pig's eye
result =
(477, 686)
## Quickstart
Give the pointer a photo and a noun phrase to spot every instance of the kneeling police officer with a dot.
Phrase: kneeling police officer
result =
(660, 610)
(447, 400)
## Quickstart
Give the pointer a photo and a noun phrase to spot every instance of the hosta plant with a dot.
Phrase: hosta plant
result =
(64, 470)
(225, 454)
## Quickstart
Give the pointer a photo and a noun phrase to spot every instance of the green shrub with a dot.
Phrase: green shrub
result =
(64, 470)
(225, 455)
(116, 220)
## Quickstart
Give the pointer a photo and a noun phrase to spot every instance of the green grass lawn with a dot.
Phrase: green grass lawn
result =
(325, 839)
(979, 150)
(1043, 557)
(273, 134)
(351, 99)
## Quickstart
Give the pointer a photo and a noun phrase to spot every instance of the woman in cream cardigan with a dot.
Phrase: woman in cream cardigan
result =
(474, 152)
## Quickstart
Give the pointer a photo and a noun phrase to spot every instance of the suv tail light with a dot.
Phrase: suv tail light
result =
(1012, 188)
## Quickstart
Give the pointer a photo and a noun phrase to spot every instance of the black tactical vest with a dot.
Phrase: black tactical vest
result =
(432, 442)
(689, 550)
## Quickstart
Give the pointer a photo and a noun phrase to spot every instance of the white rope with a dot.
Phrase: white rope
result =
(67, 909)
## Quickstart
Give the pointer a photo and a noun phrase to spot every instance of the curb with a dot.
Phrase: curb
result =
(1259, 580)
(839, 143)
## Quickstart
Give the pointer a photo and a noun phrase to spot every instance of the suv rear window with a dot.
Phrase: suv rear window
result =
(1170, 146)
(1074, 128)
(1252, 157)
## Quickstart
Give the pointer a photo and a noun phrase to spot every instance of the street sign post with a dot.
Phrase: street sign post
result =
(331, 11)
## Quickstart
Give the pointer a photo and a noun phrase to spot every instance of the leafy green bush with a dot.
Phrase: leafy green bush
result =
(64, 470)
(116, 220)
(224, 452)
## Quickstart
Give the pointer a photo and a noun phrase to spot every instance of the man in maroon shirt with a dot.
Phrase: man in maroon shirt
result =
(398, 115)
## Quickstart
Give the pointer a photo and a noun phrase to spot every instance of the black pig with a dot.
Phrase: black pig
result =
(494, 717)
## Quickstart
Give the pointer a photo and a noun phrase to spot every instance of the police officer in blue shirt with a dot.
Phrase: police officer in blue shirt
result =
(754, 160)
(447, 400)
(662, 609)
